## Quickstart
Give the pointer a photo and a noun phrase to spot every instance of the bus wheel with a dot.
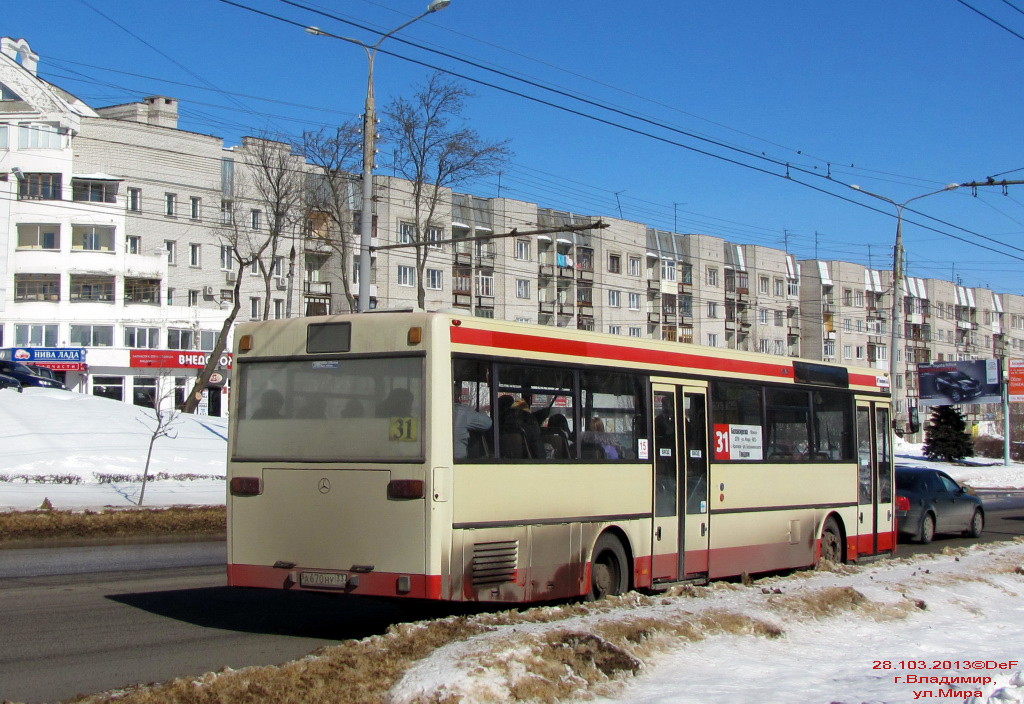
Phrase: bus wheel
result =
(831, 542)
(608, 569)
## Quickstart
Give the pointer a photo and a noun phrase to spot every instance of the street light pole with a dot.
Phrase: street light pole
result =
(369, 149)
(897, 278)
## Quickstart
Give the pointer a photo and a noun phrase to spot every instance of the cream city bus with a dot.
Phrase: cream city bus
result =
(433, 456)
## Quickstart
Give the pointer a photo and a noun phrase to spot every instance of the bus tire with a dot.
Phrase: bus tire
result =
(832, 542)
(609, 568)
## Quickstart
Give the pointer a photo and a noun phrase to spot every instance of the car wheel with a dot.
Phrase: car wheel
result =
(955, 396)
(927, 529)
(977, 524)
(831, 542)
(609, 575)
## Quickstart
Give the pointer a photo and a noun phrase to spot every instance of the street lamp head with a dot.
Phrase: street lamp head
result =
(854, 186)
(951, 187)
(436, 5)
(316, 31)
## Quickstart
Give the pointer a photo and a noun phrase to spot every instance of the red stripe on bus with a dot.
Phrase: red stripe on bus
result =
(600, 350)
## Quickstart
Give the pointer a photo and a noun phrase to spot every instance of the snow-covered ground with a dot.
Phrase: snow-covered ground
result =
(49, 436)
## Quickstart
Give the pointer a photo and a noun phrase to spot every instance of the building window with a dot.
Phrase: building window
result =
(92, 335)
(406, 232)
(37, 287)
(254, 308)
(135, 199)
(98, 289)
(829, 349)
(92, 238)
(180, 339)
(434, 238)
(38, 236)
(278, 309)
(859, 352)
(254, 267)
(39, 187)
(133, 244)
(614, 329)
(195, 208)
(141, 338)
(94, 191)
(712, 309)
(763, 282)
(207, 338)
(847, 351)
(172, 252)
(634, 301)
(668, 270)
(523, 250)
(32, 335)
(254, 219)
(227, 212)
(615, 263)
(227, 257)
(858, 298)
(485, 284)
(636, 332)
(193, 297)
(522, 288)
(39, 136)
(792, 288)
(170, 203)
(406, 275)
(712, 276)
(111, 387)
(635, 266)
(780, 318)
(3, 137)
(614, 298)
(712, 339)
(193, 254)
(142, 291)
(435, 279)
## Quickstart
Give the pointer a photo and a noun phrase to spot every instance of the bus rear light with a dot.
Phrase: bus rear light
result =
(405, 489)
(415, 336)
(902, 503)
(245, 343)
(246, 486)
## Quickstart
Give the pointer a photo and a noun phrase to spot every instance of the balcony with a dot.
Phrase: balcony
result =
(463, 259)
(317, 288)
(462, 300)
(486, 302)
(654, 318)
(585, 308)
(547, 307)
(585, 275)
(685, 286)
(547, 271)
(566, 272)
(828, 307)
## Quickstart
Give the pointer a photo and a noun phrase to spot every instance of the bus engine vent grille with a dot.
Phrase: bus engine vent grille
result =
(495, 563)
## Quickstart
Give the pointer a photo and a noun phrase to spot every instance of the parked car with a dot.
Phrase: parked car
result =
(929, 501)
(9, 382)
(44, 372)
(957, 385)
(23, 374)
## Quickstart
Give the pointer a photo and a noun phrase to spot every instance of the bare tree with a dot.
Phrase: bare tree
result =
(277, 178)
(334, 156)
(162, 419)
(436, 152)
(244, 245)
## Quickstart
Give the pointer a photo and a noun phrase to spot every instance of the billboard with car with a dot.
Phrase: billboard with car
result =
(969, 381)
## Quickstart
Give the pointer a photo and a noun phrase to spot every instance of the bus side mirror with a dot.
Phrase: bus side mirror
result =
(913, 420)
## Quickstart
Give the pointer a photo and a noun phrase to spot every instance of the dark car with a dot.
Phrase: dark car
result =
(957, 385)
(9, 382)
(929, 501)
(44, 372)
(23, 374)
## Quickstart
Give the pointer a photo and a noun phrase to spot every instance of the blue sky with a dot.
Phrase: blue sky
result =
(900, 98)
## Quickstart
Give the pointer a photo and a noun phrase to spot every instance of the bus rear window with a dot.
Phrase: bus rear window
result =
(330, 410)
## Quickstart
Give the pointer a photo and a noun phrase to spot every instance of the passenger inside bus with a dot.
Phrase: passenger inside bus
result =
(556, 436)
(470, 429)
(398, 404)
(520, 429)
(271, 403)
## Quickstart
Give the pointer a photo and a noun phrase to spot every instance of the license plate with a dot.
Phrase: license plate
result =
(323, 580)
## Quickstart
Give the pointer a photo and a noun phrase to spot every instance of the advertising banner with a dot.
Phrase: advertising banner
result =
(61, 359)
(1017, 381)
(969, 381)
(175, 359)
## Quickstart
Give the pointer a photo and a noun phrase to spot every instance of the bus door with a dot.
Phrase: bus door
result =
(874, 479)
(680, 541)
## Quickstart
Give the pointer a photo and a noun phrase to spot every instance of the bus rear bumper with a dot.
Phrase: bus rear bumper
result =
(385, 584)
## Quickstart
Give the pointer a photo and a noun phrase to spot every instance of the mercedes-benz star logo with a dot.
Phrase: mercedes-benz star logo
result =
(325, 485)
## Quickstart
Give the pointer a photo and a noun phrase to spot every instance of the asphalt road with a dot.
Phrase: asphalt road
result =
(82, 620)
